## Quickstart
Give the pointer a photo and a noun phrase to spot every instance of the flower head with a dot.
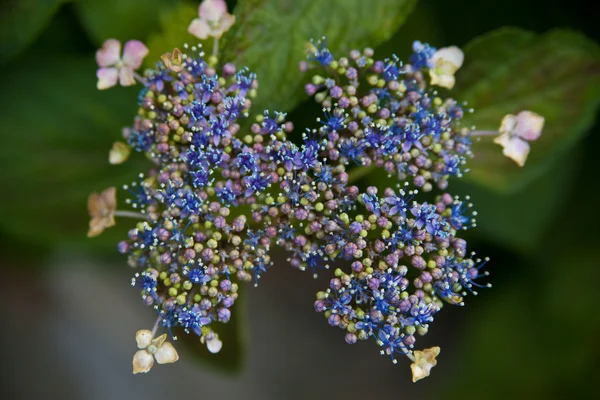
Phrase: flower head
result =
(173, 61)
(424, 361)
(446, 61)
(213, 20)
(515, 133)
(114, 67)
(151, 349)
(101, 207)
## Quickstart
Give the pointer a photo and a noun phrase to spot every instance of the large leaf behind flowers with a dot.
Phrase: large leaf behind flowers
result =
(269, 37)
(57, 129)
(556, 74)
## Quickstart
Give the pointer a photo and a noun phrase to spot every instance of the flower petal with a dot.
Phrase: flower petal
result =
(517, 150)
(143, 338)
(94, 204)
(126, 76)
(529, 125)
(452, 54)
(173, 61)
(142, 362)
(96, 227)
(442, 78)
(109, 54)
(212, 10)
(424, 361)
(214, 345)
(159, 340)
(508, 124)
(166, 354)
(107, 77)
(109, 199)
(227, 21)
(199, 28)
(119, 153)
(134, 53)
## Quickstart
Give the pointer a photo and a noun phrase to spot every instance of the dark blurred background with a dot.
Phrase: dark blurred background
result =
(69, 315)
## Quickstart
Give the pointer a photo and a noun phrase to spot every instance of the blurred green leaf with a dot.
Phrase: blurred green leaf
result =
(519, 220)
(233, 334)
(537, 337)
(556, 74)
(59, 130)
(120, 19)
(21, 21)
(173, 32)
(269, 37)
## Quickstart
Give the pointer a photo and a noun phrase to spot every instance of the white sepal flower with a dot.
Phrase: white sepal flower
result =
(213, 20)
(151, 349)
(515, 133)
(424, 361)
(446, 61)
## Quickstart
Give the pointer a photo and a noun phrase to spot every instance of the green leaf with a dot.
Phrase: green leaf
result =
(556, 74)
(519, 221)
(21, 21)
(59, 129)
(120, 19)
(269, 37)
(173, 33)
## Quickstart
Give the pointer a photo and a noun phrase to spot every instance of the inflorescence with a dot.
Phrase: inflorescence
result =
(223, 192)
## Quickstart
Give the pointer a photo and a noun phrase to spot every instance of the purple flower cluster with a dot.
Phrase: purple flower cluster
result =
(220, 196)
(404, 258)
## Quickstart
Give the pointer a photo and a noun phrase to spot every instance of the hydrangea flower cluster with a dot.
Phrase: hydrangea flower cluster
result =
(406, 259)
(226, 188)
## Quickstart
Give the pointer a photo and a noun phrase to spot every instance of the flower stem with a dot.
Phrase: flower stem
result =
(130, 214)
(358, 173)
(215, 49)
(155, 327)
(139, 78)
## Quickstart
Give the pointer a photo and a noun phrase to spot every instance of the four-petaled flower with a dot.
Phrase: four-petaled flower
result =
(446, 61)
(214, 20)
(115, 68)
(151, 349)
(101, 207)
(515, 133)
(424, 361)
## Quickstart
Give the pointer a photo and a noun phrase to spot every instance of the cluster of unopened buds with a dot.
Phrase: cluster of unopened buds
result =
(219, 196)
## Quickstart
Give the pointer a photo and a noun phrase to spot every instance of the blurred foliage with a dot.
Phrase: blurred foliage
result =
(173, 32)
(539, 223)
(270, 38)
(20, 23)
(69, 127)
(120, 19)
(556, 74)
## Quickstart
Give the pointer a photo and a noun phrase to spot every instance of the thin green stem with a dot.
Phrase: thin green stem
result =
(357, 173)
(215, 49)
(130, 214)
(139, 78)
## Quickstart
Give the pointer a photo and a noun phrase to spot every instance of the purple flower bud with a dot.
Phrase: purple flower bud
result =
(334, 320)
(224, 314)
(350, 338)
